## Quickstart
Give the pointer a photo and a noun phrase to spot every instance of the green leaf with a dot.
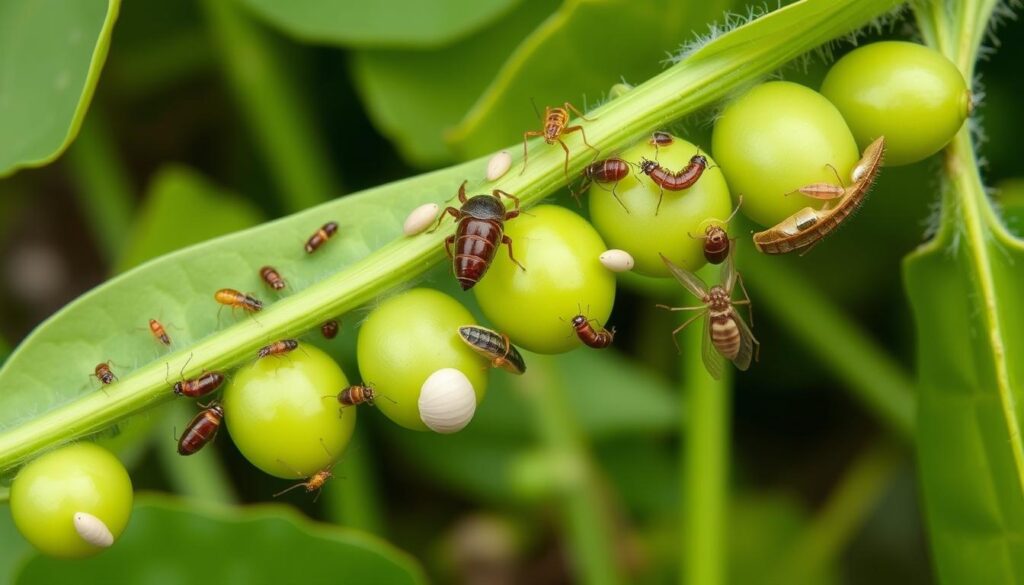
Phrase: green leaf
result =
(52, 55)
(177, 198)
(46, 396)
(173, 541)
(412, 96)
(570, 57)
(965, 288)
(382, 23)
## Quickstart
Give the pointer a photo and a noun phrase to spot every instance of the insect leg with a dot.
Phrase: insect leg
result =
(675, 332)
(526, 152)
(500, 193)
(746, 298)
(573, 109)
(447, 211)
(508, 241)
(462, 191)
(448, 245)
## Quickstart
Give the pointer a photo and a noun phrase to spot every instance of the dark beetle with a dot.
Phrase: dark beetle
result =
(494, 346)
(201, 430)
(481, 229)
(717, 243)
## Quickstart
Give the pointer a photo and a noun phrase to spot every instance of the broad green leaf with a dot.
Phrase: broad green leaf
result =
(51, 53)
(183, 208)
(574, 56)
(382, 23)
(46, 396)
(173, 541)
(415, 96)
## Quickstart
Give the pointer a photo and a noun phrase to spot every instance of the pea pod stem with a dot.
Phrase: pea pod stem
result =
(707, 75)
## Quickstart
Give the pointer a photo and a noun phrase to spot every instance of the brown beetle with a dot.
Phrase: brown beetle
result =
(610, 170)
(321, 236)
(717, 243)
(481, 229)
(278, 348)
(329, 329)
(272, 277)
(660, 138)
(207, 382)
(494, 346)
(201, 430)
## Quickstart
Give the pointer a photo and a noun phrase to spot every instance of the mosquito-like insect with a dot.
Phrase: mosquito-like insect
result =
(725, 332)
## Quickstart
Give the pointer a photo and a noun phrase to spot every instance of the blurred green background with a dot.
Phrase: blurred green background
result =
(215, 115)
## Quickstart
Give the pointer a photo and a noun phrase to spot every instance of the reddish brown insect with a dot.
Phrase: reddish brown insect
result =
(660, 139)
(158, 331)
(322, 235)
(674, 181)
(196, 387)
(357, 394)
(717, 243)
(598, 338)
(481, 228)
(329, 329)
(556, 126)
(725, 333)
(272, 277)
(494, 346)
(104, 375)
(610, 170)
(278, 348)
(201, 430)
(315, 482)
(230, 297)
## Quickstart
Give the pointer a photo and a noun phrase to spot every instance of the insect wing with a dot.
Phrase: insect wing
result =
(689, 280)
(747, 341)
(713, 360)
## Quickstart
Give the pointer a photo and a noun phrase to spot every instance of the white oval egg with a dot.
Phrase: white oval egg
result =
(447, 401)
(617, 260)
(93, 530)
(420, 219)
(498, 165)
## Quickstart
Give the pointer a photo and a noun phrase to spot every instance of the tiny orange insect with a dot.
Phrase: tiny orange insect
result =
(556, 126)
(158, 331)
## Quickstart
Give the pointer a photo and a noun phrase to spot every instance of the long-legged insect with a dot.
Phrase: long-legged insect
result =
(556, 126)
(321, 236)
(229, 297)
(596, 337)
(207, 382)
(329, 329)
(725, 332)
(201, 429)
(481, 220)
(272, 277)
(610, 170)
(717, 242)
(158, 331)
(808, 227)
(684, 178)
(278, 348)
(494, 346)
(316, 481)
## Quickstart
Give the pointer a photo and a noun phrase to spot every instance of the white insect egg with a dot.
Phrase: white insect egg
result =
(93, 530)
(617, 260)
(498, 165)
(447, 401)
(420, 219)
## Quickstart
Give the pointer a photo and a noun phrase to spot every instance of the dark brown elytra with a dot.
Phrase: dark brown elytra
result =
(158, 331)
(321, 236)
(717, 243)
(481, 228)
(610, 170)
(494, 346)
(104, 375)
(278, 348)
(196, 387)
(329, 329)
(556, 126)
(598, 338)
(674, 180)
(272, 277)
(201, 430)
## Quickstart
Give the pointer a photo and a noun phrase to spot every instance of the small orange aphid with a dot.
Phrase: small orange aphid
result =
(230, 297)
(278, 348)
(315, 482)
(104, 375)
(159, 332)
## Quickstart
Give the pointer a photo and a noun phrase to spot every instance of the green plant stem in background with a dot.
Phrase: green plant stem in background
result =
(882, 386)
(155, 68)
(271, 106)
(705, 458)
(584, 499)
(102, 183)
(705, 76)
(354, 502)
(200, 476)
(845, 511)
